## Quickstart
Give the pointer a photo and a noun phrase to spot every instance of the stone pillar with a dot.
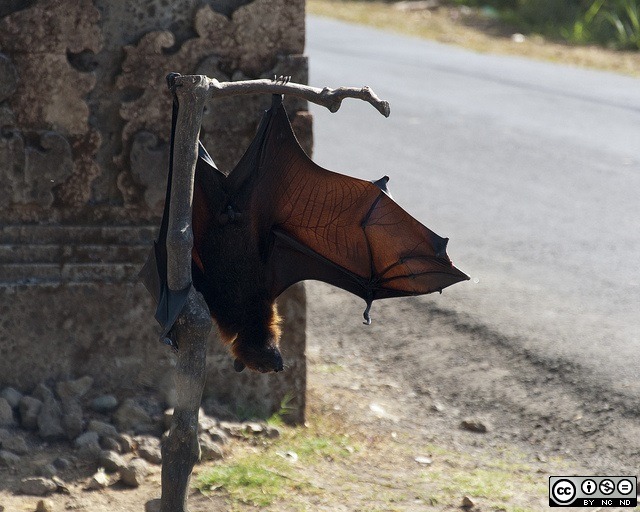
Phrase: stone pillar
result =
(84, 129)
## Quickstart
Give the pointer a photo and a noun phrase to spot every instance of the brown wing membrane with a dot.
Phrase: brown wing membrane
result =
(341, 230)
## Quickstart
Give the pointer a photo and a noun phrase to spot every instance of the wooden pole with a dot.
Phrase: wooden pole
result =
(180, 449)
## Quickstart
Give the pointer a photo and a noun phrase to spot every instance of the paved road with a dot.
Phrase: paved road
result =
(531, 169)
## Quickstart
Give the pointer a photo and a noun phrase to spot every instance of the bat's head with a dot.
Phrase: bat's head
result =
(263, 359)
(256, 346)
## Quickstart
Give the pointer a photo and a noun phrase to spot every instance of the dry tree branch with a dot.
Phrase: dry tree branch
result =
(327, 97)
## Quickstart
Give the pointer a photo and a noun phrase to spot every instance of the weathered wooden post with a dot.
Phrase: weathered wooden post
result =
(180, 448)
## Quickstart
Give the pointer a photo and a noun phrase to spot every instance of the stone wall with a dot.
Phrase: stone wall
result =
(84, 128)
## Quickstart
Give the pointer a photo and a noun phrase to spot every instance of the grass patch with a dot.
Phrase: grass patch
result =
(265, 472)
(246, 481)
(506, 482)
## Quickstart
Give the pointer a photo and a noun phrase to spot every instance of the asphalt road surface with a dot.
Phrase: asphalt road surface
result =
(531, 169)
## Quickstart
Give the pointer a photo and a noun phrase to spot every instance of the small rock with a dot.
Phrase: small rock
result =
(37, 486)
(62, 464)
(8, 459)
(219, 437)
(232, 428)
(86, 438)
(272, 432)
(45, 506)
(12, 396)
(99, 480)
(127, 443)
(29, 409)
(112, 462)
(205, 422)
(149, 449)
(104, 403)
(425, 461)
(290, 456)
(208, 449)
(102, 428)
(74, 389)
(134, 473)
(132, 417)
(72, 418)
(42, 393)
(253, 428)
(474, 425)
(467, 502)
(14, 443)
(50, 419)
(150, 506)
(437, 407)
(110, 444)
(88, 445)
(47, 471)
(61, 485)
(6, 414)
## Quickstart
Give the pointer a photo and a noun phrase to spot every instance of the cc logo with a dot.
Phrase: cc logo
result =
(563, 491)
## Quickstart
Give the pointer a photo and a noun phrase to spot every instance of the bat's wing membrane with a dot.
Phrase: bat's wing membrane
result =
(344, 231)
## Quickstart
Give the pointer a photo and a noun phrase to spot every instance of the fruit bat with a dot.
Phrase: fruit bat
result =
(278, 218)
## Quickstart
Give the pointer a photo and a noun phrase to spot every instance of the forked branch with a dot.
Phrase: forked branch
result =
(326, 97)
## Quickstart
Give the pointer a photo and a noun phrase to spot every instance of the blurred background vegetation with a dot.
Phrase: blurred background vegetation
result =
(612, 23)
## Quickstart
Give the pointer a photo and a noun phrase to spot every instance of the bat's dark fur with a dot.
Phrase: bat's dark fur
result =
(234, 289)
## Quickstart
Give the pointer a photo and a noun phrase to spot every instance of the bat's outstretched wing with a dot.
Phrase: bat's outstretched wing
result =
(329, 227)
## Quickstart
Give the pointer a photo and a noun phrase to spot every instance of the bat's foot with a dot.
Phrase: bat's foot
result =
(282, 79)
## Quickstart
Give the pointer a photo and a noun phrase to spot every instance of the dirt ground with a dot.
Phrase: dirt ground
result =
(392, 397)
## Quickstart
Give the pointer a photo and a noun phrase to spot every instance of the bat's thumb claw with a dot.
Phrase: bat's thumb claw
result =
(367, 318)
(238, 365)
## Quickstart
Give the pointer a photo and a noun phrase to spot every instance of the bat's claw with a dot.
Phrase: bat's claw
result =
(367, 318)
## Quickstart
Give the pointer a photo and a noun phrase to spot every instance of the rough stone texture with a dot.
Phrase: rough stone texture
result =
(131, 417)
(112, 462)
(8, 459)
(15, 443)
(208, 449)
(102, 428)
(12, 396)
(50, 419)
(134, 473)
(45, 506)
(149, 449)
(37, 486)
(38, 40)
(74, 389)
(6, 414)
(104, 403)
(72, 418)
(88, 445)
(83, 160)
(29, 410)
(98, 481)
